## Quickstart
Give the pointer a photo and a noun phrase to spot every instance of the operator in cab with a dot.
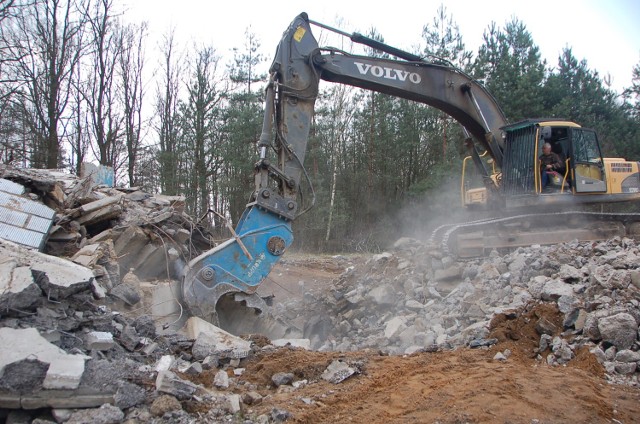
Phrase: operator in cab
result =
(550, 164)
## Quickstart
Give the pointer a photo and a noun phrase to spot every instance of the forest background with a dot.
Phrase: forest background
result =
(76, 85)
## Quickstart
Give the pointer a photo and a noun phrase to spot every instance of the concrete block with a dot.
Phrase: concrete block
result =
(221, 380)
(234, 405)
(165, 363)
(65, 370)
(99, 340)
(211, 340)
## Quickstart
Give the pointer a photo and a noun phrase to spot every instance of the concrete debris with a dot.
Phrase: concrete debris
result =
(168, 382)
(282, 378)
(621, 330)
(234, 403)
(129, 395)
(64, 371)
(57, 277)
(337, 372)
(499, 356)
(165, 363)
(99, 340)
(415, 299)
(252, 398)
(106, 414)
(95, 318)
(221, 380)
(18, 290)
(280, 415)
(211, 340)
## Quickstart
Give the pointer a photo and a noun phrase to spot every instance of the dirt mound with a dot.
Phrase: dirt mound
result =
(524, 327)
(447, 387)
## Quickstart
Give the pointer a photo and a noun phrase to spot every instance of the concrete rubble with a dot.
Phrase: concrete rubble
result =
(91, 329)
(413, 298)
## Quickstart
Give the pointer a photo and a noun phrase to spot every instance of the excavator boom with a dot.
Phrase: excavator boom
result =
(264, 230)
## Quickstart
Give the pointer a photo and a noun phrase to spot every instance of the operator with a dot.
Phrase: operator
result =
(549, 163)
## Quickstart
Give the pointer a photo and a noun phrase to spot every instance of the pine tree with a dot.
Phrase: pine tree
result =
(510, 66)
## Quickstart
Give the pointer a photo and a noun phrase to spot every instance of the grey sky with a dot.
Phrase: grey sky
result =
(605, 33)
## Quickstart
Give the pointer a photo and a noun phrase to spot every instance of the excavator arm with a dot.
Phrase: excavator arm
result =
(264, 230)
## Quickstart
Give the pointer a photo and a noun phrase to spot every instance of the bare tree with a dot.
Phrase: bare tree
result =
(44, 44)
(100, 96)
(201, 119)
(166, 105)
(132, 91)
(79, 139)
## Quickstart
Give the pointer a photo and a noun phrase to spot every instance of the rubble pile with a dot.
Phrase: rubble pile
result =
(413, 298)
(112, 230)
(80, 323)
(91, 327)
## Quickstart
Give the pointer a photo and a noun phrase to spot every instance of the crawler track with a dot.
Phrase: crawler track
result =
(476, 238)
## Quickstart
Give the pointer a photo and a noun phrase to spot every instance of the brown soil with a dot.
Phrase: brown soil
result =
(446, 387)
(443, 387)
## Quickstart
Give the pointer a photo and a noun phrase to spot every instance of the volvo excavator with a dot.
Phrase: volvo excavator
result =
(505, 156)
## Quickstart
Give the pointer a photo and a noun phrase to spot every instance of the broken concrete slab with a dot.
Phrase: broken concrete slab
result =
(101, 215)
(128, 244)
(18, 290)
(89, 255)
(65, 370)
(337, 372)
(211, 340)
(168, 382)
(57, 277)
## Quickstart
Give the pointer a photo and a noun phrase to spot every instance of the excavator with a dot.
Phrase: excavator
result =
(505, 155)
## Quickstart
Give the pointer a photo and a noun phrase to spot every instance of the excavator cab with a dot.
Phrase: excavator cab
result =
(587, 177)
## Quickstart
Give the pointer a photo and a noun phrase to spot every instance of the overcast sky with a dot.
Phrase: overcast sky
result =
(604, 32)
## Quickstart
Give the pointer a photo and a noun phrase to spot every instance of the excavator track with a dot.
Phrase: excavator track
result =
(478, 238)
